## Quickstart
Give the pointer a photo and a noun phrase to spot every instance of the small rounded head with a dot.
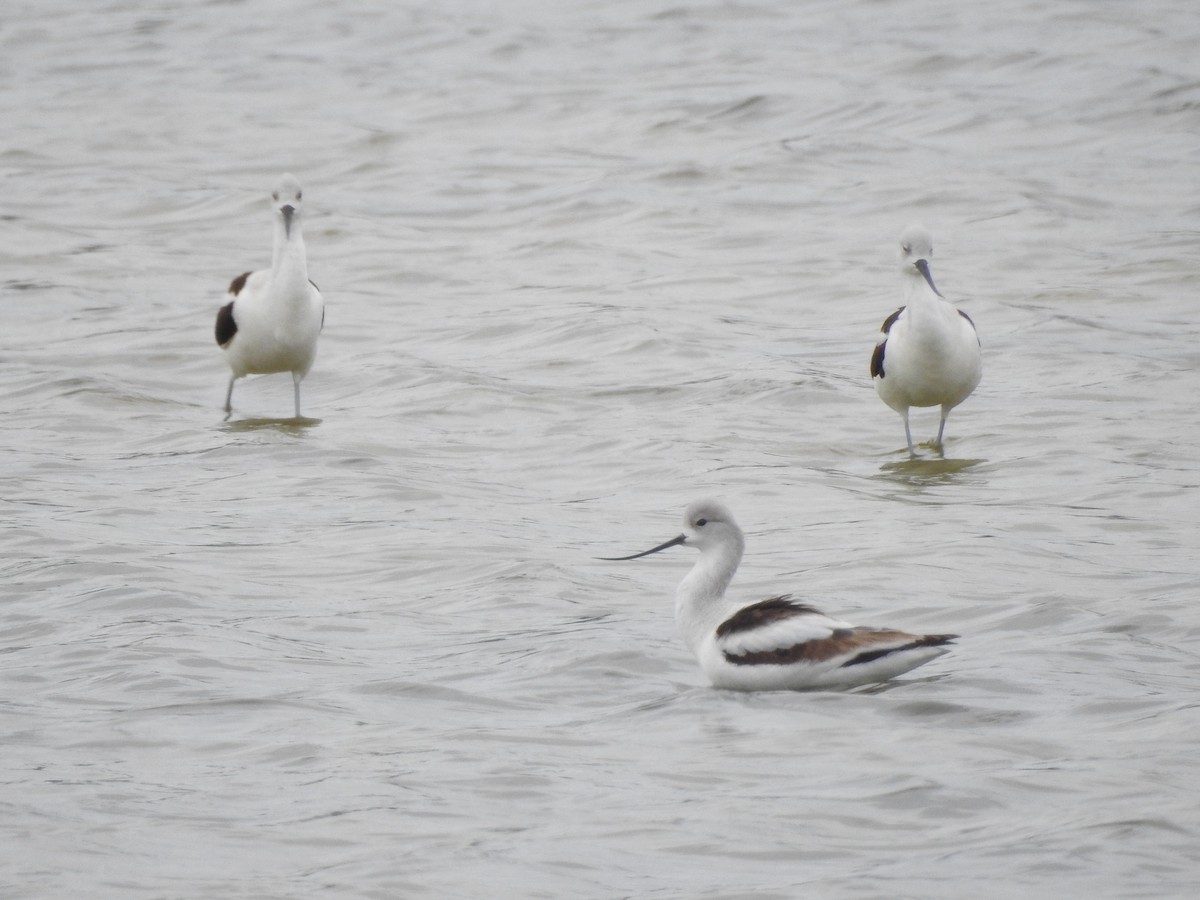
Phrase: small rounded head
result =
(287, 190)
(286, 201)
(707, 522)
(915, 243)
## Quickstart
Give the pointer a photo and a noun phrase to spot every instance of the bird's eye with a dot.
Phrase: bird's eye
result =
(906, 248)
(700, 523)
(297, 195)
(275, 196)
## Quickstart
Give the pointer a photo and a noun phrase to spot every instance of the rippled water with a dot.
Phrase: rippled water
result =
(585, 262)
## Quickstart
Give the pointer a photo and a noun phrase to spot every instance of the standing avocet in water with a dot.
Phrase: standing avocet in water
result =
(775, 644)
(929, 354)
(274, 316)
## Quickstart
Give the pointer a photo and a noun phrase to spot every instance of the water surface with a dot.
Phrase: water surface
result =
(584, 263)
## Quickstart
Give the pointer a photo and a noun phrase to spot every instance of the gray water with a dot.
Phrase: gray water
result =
(583, 263)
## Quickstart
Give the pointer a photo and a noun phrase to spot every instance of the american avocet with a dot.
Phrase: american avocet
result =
(775, 644)
(929, 354)
(274, 316)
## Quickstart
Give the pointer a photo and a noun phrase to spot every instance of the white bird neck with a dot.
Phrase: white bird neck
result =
(918, 293)
(700, 599)
(289, 265)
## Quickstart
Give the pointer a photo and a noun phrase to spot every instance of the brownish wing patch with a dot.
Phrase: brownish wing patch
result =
(891, 320)
(877, 360)
(879, 351)
(865, 644)
(765, 612)
(226, 326)
(235, 286)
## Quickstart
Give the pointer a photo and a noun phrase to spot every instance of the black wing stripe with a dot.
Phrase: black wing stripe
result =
(925, 640)
(891, 320)
(226, 326)
(765, 612)
(235, 286)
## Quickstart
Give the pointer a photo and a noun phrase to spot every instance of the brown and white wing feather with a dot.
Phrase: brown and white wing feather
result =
(777, 630)
(780, 632)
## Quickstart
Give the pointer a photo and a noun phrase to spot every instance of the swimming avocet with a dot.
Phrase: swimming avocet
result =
(777, 643)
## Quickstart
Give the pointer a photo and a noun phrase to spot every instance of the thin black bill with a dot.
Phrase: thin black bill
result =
(671, 543)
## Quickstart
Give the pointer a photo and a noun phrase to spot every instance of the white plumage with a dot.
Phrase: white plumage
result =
(274, 316)
(777, 643)
(929, 354)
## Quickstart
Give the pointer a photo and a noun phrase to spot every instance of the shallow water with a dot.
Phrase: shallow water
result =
(584, 263)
